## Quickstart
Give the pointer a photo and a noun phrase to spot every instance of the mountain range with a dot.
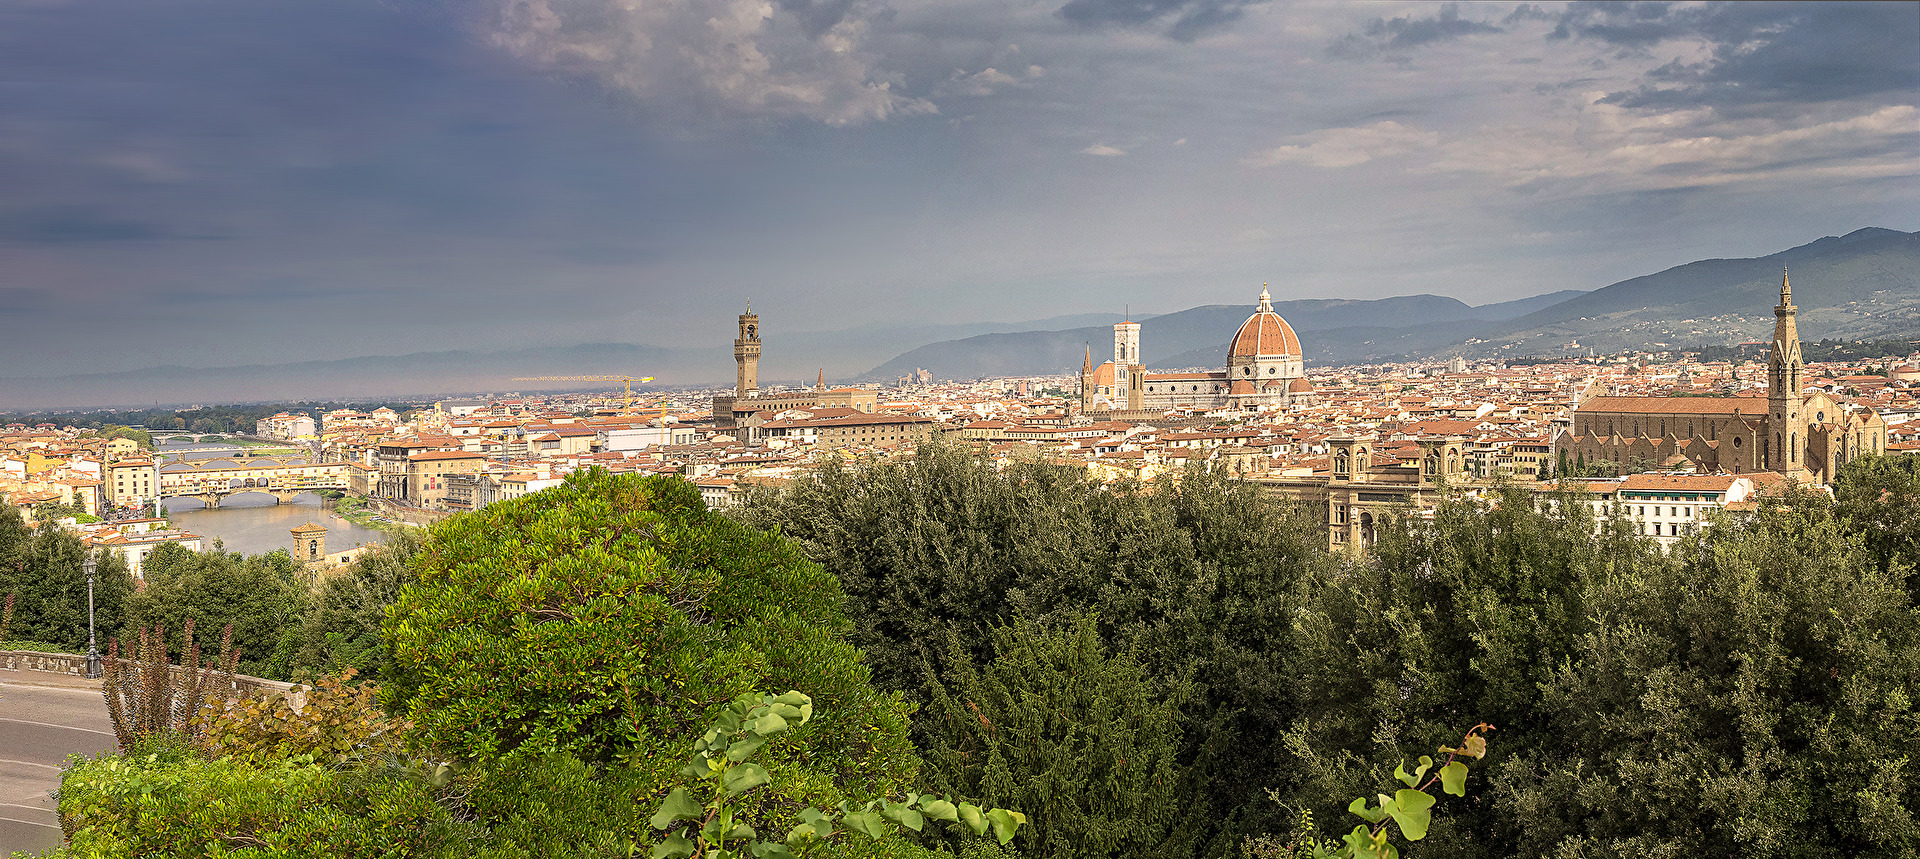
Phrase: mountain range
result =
(1863, 285)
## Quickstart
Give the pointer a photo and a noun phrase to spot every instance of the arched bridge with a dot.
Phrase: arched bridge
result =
(283, 478)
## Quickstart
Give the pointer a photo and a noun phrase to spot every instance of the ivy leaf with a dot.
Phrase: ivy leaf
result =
(1453, 778)
(971, 816)
(675, 847)
(770, 850)
(1409, 808)
(678, 806)
(741, 778)
(1413, 779)
(869, 821)
(1005, 823)
(768, 725)
(904, 815)
(940, 809)
(795, 699)
(1359, 808)
(744, 747)
(1363, 844)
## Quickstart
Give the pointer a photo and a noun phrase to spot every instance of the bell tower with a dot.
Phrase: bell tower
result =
(1785, 382)
(1129, 374)
(746, 354)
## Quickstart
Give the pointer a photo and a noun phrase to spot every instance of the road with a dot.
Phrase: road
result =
(43, 718)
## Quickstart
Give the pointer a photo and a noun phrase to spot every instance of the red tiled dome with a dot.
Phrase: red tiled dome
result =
(1264, 334)
(1301, 386)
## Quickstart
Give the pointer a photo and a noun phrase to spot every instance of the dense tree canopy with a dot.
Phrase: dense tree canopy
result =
(1080, 740)
(611, 617)
(44, 569)
(1745, 692)
(262, 596)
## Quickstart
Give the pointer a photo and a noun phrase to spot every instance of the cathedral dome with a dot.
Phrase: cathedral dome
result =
(1264, 334)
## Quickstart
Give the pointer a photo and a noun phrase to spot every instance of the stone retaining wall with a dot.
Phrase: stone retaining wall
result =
(76, 665)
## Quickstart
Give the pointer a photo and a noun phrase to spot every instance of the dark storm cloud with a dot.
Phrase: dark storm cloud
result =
(816, 16)
(1191, 18)
(1409, 31)
(73, 224)
(1761, 53)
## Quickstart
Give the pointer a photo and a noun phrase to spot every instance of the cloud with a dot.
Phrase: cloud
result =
(1103, 149)
(796, 59)
(1191, 18)
(59, 225)
(987, 81)
(1757, 54)
(1612, 149)
(1408, 31)
(1348, 147)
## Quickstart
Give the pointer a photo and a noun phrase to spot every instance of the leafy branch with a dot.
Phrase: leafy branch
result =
(1409, 808)
(723, 770)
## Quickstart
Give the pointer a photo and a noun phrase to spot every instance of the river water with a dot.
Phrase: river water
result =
(252, 524)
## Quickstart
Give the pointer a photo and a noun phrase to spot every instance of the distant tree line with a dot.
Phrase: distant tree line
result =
(204, 420)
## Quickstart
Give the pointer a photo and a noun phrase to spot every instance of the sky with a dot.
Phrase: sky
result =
(223, 182)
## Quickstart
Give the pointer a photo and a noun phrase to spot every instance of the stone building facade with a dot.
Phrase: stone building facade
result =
(1807, 437)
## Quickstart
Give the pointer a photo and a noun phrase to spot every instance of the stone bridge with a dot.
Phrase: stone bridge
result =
(280, 477)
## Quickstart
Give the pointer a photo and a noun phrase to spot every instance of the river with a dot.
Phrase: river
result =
(252, 524)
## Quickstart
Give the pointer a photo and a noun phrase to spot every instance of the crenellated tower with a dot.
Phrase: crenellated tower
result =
(746, 354)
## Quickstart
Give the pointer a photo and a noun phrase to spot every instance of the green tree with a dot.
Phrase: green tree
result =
(1082, 741)
(341, 627)
(1456, 618)
(1755, 698)
(1197, 575)
(262, 596)
(611, 618)
(44, 567)
(1877, 497)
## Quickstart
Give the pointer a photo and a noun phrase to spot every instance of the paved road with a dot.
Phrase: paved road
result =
(43, 719)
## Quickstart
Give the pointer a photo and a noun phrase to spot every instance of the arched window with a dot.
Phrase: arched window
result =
(1340, 462)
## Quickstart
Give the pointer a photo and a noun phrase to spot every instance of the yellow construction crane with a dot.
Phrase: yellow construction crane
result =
(626, 383)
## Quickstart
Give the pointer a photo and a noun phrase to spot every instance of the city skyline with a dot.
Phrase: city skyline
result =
(212, 184)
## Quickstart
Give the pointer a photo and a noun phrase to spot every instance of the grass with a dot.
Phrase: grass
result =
(38, 647)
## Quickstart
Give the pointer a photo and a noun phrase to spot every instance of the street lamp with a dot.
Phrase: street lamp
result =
(93, 648)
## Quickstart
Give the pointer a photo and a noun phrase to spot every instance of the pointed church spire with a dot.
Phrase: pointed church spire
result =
(1087, 367)
(1784, 364)
(822, 384)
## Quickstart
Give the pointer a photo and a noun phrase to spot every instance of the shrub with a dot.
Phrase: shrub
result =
(610, 618)
(335, 722)
(146, 695)
(169, 802)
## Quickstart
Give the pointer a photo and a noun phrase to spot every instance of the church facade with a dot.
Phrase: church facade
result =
(1264, 370)
(1806, 437)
